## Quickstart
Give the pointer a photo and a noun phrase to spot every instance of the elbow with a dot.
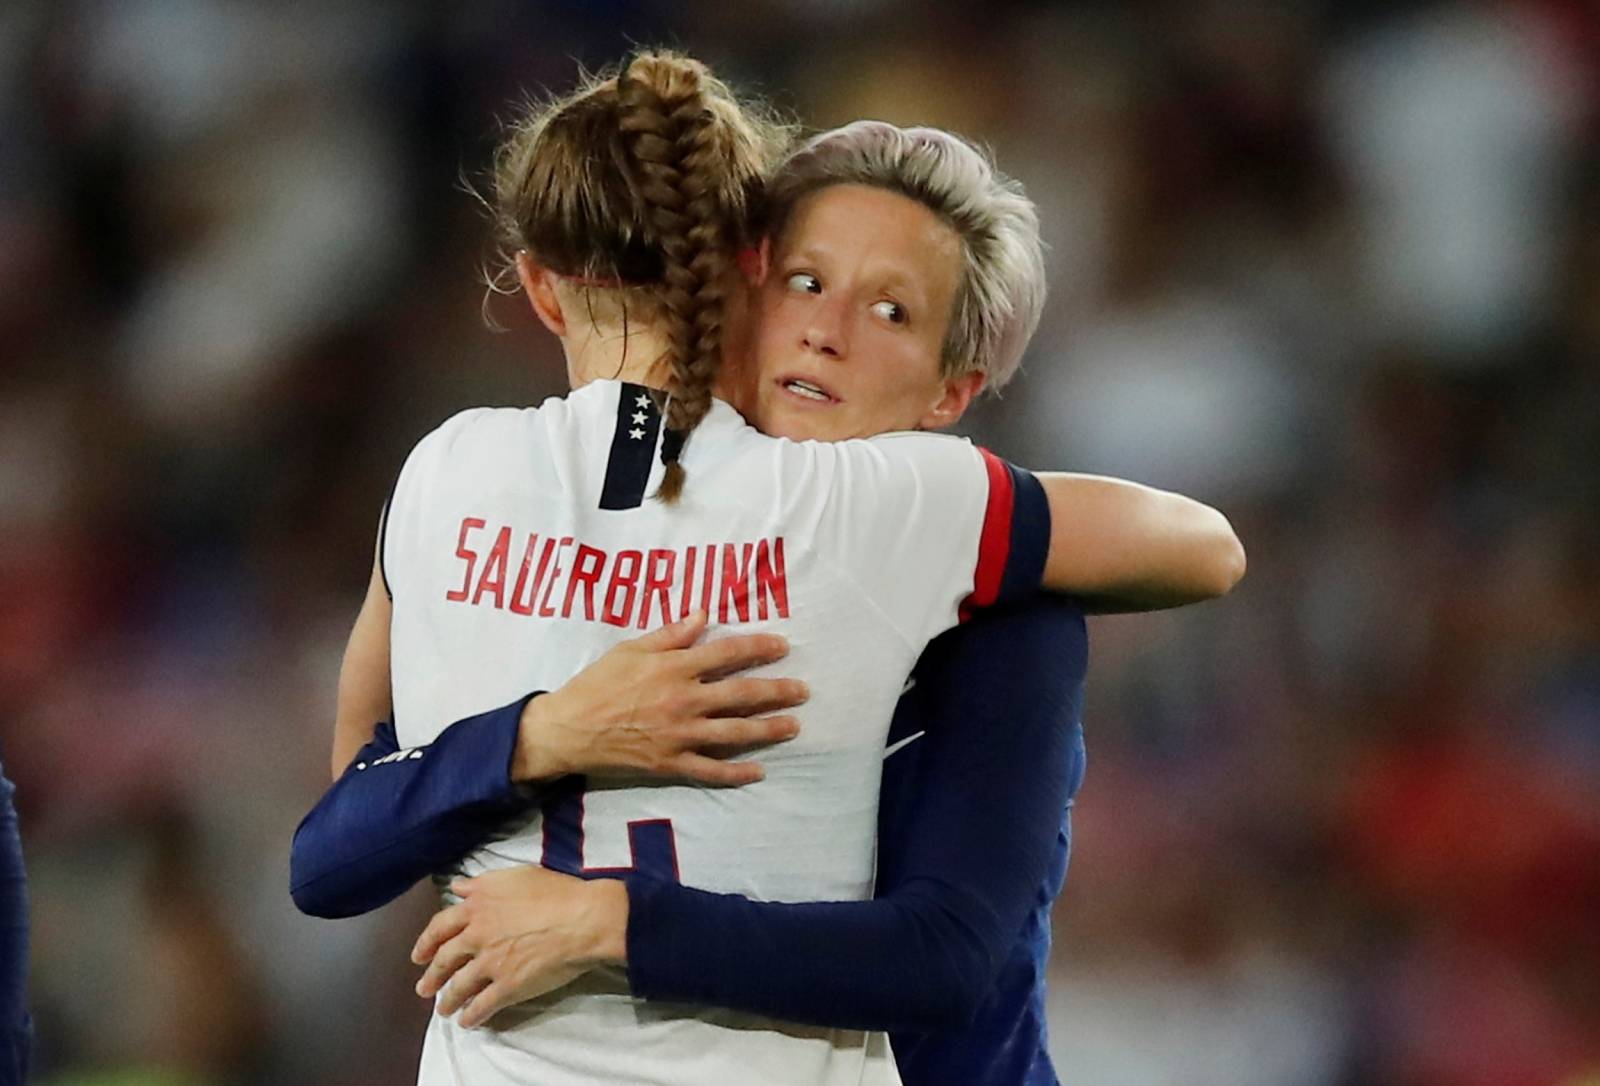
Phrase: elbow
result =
(1234, 563)
(310, 903)
(956, 983)
(312, 899)
(950, 964)
(952, 1008)
(303, 889)
(1225, 561)
(307, 883)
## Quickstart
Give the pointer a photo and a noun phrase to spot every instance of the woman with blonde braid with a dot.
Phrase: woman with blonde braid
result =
(520, 546)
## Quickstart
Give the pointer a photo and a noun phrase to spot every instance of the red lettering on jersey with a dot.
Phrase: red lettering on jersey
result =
(586, 566)
(735, 583)
(658, 582)
(493, 577)
(545, 610)
(470, 557)
(638, 584)
(626, 583)
(522, 603)
(771, 579)
(706, 576)
(689, 556)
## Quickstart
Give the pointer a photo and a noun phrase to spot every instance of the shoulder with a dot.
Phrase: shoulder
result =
(886, 481)
(473, 422)
(448, 441)
(487, 428)
(883, 452)
(910, 458)
(914, 448)
(912, 440)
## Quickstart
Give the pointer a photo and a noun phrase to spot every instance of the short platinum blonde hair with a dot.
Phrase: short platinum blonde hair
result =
(1001, 292)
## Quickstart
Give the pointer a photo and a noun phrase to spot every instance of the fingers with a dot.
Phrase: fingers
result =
(746, 697)
(710, 742)
(674, 635)
(491, 999)
(713, 771)
(734, 734)
(467, 984)
(445, 925)
(726, 655)
(450, 957)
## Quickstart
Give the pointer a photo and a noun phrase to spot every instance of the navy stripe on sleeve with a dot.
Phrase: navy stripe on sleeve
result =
(1030, 536)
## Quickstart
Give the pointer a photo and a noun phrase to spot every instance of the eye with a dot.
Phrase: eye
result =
(893, 312)
(805, 282)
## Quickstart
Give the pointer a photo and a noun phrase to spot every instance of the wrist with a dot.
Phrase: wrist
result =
(533, 758)
(607, 911)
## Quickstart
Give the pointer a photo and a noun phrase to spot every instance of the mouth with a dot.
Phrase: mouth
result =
(809, 391)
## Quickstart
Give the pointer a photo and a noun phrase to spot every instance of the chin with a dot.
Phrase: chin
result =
(794, 430)
(774, 421)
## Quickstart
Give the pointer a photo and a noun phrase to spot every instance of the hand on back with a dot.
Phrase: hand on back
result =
(662, 705)
(517, 933)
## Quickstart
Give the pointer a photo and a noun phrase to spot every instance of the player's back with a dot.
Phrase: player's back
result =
(521, 545)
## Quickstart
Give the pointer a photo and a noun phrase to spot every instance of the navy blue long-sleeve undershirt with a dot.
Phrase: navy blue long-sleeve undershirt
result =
(15, 1030)
(972, 849)
(396, 816)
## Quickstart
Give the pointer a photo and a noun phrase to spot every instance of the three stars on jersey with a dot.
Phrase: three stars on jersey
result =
(566, 578)
(641, 418)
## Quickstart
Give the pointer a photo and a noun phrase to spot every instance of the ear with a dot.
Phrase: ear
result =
(755, 261)
(538, 282)
(952, 403)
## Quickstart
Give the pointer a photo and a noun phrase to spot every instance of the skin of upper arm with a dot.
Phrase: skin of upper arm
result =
(364, 692)
(1122, 546)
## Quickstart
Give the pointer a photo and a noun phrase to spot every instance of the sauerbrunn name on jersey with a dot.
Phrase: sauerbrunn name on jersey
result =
(547, 576)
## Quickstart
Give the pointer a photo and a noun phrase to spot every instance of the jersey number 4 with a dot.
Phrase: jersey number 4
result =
(651, 845)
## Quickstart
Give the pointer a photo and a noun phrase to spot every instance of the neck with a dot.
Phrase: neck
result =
(593, 356)
(638, 358)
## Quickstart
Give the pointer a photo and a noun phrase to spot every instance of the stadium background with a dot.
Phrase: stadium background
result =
(1333, 267)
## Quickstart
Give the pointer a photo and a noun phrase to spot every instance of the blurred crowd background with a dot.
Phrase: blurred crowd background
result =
(1333, 267)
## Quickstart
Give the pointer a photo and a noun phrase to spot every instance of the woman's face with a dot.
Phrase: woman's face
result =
(849, 318)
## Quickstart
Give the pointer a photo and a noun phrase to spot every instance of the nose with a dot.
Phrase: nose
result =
(825, 330)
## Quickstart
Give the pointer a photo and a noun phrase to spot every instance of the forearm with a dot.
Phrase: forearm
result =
(384, 825)
(1121, 546)
(920, 957)
(1189, 554)
(364, 686)
(906, 962)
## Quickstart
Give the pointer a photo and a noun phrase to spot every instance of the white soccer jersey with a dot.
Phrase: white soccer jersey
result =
(520, 546)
